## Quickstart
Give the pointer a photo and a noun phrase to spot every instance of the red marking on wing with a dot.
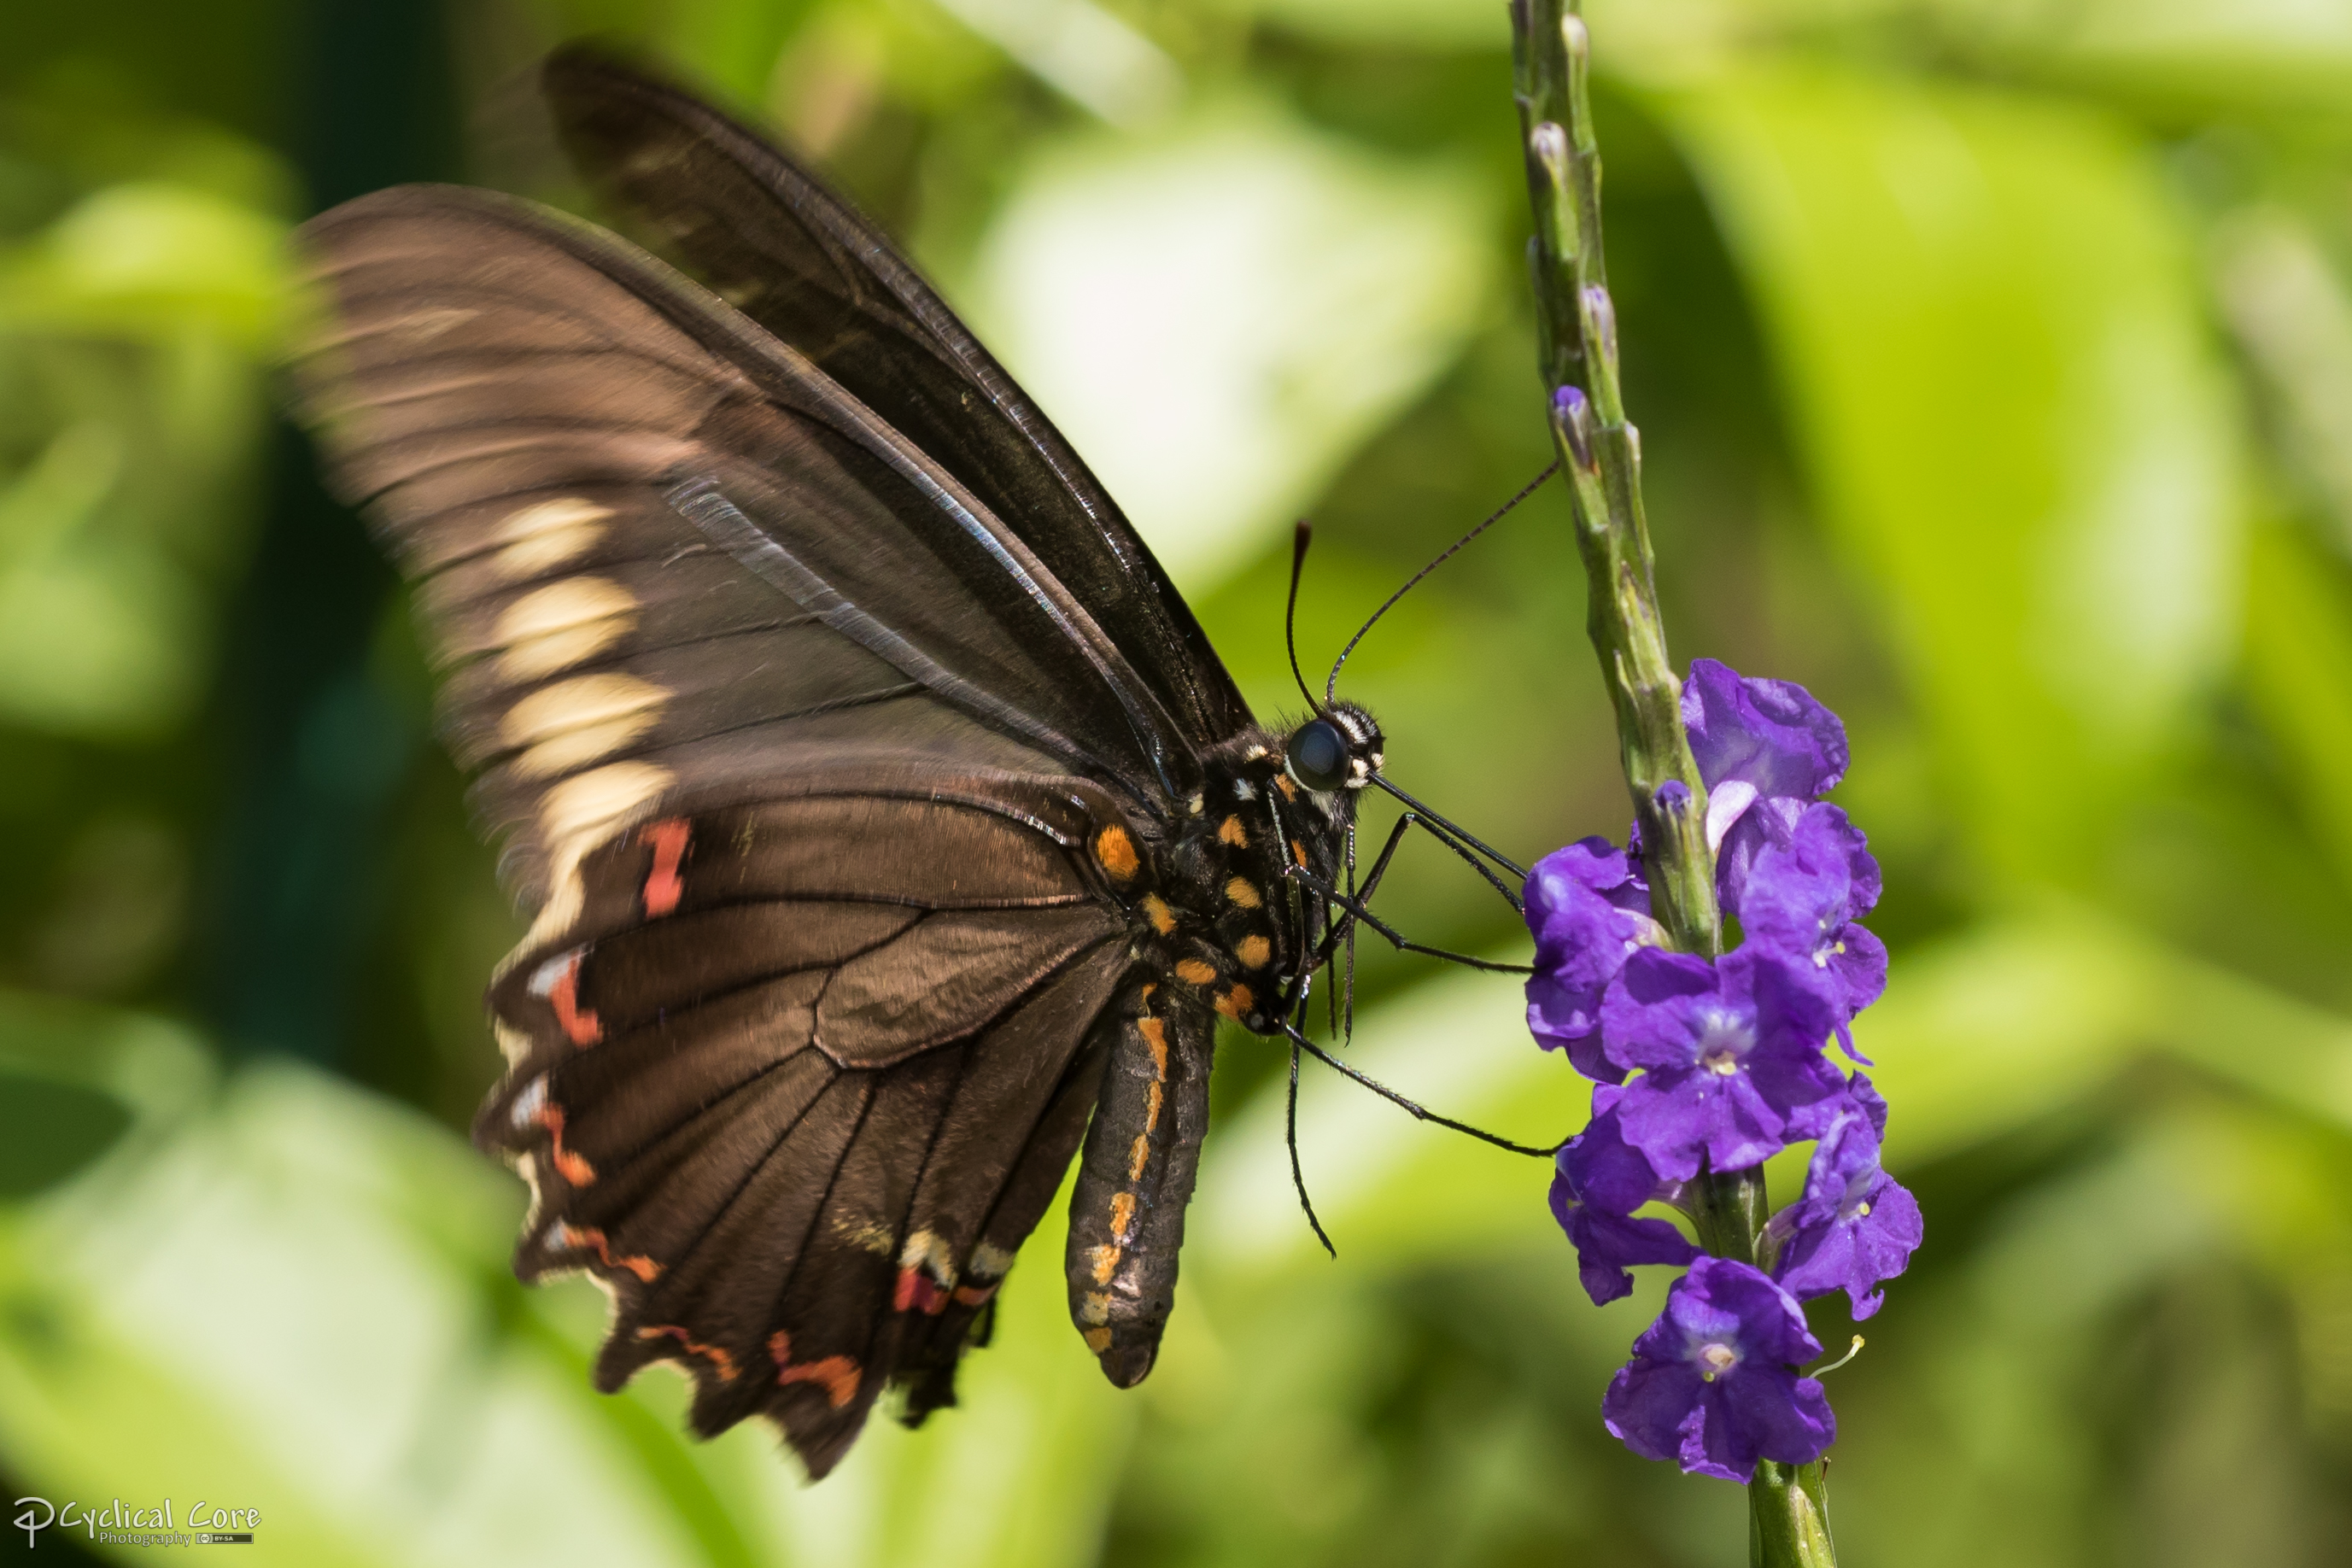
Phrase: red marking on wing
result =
(663, 884)
(580, 1025)
(975, 1295)
(568, 1163)
(588, 1236)
(836, 1374)
(718, 1356)
(919, 1292)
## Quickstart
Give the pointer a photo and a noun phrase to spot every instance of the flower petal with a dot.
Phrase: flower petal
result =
(1726, 803)
(1770, 733)
(1647, 1403)
(1776, 1414)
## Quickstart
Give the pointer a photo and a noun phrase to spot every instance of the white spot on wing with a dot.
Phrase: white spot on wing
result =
(544, 535)
(513, 1043)
(575, 722)
(543, 978)
(925, 1248)
(563, 625)
(423, 326)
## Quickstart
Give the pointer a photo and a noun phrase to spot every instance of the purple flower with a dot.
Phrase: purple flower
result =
(1589, 909)
(1733, 1054)
(1766, 751)
(1857, 1227)
(1598, 1181)
(1802, 898)
(1713, 1382)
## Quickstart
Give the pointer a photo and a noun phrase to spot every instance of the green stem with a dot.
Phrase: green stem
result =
(1602, 453)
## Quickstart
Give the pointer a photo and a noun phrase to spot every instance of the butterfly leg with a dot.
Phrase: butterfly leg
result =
(1418, 1111)
(1355, 909)
(1134, 1177)
(1297, 1176)
(1356, 894)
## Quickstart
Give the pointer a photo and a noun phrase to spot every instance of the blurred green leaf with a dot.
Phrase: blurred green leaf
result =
(152, 259)
(2299, 673)
(1992, 349)
(94, 632)
(75, 1078)
(1088, 53)
(1218, 316)
(2267, 56)
(1426, 23)
(2293, 315)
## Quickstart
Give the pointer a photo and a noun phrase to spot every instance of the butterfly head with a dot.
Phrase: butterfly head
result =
(1339, 749)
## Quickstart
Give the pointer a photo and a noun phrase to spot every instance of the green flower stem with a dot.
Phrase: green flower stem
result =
(1602, 456)
(1602, 453)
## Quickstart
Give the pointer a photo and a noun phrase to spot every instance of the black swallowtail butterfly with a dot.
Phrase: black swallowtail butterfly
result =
(893, 832)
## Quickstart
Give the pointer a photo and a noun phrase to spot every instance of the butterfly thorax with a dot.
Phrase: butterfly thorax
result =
(1216, 909)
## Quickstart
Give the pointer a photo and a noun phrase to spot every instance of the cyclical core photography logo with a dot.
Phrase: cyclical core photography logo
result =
(118, 1523)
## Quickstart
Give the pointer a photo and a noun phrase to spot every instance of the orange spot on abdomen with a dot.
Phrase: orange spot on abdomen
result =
(1194, 971)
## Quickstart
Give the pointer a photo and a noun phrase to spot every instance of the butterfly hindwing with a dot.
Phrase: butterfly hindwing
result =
(787, 1198)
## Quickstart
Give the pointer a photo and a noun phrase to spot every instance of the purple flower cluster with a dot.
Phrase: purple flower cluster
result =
(1718, 1066)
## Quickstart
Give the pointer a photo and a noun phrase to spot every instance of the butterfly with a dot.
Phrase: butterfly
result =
(894, 834)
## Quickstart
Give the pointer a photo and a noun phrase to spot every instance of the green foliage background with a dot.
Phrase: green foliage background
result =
(1994, 362)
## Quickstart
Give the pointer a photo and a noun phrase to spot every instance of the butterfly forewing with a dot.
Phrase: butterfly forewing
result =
(733, 211)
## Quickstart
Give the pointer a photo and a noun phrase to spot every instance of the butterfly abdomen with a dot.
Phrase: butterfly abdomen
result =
(1136, 1173)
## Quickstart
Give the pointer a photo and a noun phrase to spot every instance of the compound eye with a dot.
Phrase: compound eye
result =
(1319, 755)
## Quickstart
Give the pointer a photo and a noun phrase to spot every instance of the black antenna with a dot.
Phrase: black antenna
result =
(1526, 490)
(1290, 616)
